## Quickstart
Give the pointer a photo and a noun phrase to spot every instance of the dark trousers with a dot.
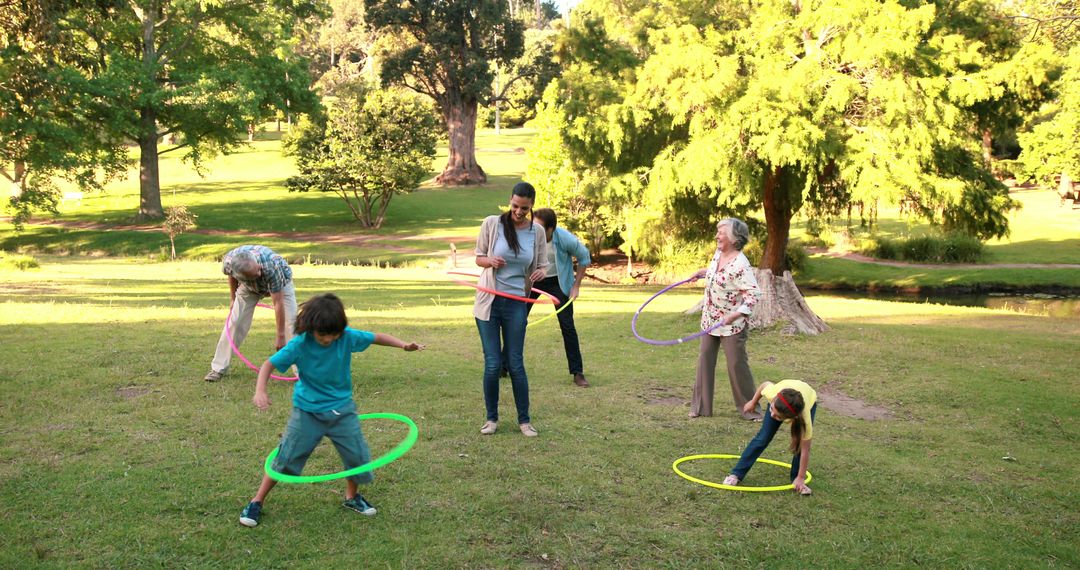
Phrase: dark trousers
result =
(566, 322)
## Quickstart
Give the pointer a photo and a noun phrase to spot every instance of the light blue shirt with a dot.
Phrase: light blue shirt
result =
(325, 371)
(567, 247)
(510, 278)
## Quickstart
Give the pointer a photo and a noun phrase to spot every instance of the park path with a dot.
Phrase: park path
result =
(465, 254)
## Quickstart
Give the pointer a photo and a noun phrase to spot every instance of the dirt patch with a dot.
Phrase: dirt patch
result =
(663, 397)
(847, 406)
(130, 392)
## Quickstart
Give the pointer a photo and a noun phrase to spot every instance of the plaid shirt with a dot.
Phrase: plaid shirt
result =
(276, 272)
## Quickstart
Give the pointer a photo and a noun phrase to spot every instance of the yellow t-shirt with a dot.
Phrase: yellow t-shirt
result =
(809, 399)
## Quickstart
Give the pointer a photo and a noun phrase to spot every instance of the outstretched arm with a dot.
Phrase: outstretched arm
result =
(752, 404)
(382, 339)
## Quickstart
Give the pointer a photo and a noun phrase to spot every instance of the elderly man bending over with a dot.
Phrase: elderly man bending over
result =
(254, 272)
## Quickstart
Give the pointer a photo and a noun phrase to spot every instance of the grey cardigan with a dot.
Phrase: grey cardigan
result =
(485, 243)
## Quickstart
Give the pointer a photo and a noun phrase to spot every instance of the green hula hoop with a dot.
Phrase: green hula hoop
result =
(557, 311)
(369, 466)
(675, 466)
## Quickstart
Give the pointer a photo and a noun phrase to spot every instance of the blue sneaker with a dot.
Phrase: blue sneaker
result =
(251, 513)
(360, 505)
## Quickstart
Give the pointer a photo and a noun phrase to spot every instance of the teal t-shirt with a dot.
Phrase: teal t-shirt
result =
(325, 371)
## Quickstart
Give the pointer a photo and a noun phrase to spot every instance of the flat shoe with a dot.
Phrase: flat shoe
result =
(488, 428)
(528, 430)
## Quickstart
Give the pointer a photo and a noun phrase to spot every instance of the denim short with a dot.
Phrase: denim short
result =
(306, 429)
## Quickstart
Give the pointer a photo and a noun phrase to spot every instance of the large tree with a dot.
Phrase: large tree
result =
(196, 72)
(445, 49)
(704, 109)
(55, 116)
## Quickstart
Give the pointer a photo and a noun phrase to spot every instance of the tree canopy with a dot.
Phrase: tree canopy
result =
(445, 49)
(694, 110)
(196, 72)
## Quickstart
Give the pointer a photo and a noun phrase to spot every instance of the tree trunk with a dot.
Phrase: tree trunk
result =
(781, 301)
(462, 168)
(149, 178)
(18, 180)
(172, 247)
(149, 181)
(778, 213)
(987, 148)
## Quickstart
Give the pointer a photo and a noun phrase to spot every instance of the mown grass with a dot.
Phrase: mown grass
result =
(113, 452)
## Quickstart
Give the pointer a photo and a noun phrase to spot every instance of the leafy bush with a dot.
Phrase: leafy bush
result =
(18, 261)
(794, 257)
(951, 248)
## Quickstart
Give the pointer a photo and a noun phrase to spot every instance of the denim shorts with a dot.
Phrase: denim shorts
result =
(306, 429)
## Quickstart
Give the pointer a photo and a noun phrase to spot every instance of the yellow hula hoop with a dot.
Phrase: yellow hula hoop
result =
(557, 311)
(675, 467)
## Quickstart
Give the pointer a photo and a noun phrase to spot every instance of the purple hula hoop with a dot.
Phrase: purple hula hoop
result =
(236, 351)
(633, 323)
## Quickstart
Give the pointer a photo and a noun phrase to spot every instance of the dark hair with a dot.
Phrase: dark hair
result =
(323, 314)
(547, 217)
(525, 190)
(786, 397)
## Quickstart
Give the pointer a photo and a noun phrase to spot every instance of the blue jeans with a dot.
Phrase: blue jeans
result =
(757, 446)
(506, 324)
(566, 322)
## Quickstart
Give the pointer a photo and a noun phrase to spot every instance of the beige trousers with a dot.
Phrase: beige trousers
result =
(738, 367)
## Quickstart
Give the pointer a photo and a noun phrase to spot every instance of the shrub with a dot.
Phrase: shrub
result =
(18, 261)
(795, 255)
(951, 248)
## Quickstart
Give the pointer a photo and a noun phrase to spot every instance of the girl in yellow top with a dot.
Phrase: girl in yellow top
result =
(789, 400)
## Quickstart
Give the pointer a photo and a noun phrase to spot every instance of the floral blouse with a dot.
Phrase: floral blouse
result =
(732, 287)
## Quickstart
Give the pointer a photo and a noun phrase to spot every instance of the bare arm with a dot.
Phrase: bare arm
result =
(804, 462)
(752, 404)
(382, 339)
(261, 398)
(279, 316)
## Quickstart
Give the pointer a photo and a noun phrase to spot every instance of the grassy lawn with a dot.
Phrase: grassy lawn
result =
(114, 453)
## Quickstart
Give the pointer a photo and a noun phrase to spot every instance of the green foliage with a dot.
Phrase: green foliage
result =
(1050, 148)
(795, 255)
(719, 109)
(55, 119)
(194, 73)
(447, 50)
(374, 144)
(17, 261)
(950, 248)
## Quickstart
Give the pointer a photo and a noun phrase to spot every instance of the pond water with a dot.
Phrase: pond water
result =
(1033, 304)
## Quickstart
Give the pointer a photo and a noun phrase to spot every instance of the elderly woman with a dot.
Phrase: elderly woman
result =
(731, 291)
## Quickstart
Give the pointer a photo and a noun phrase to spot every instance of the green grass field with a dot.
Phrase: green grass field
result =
(114, 452)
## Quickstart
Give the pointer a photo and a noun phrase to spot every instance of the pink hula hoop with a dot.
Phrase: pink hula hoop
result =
(538, 301)
(236, 351)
